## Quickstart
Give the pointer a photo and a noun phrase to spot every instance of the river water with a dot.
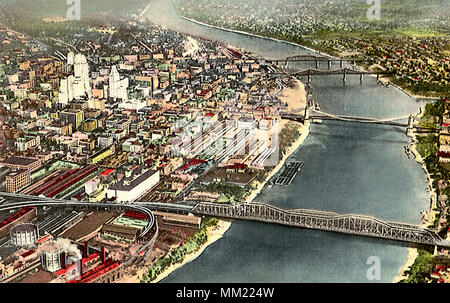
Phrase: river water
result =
(349, 168)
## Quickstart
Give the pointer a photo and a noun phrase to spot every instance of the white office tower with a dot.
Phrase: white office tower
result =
(82, 84)
(75, 86)
(70, 58)
(117, 87)
(65, 94)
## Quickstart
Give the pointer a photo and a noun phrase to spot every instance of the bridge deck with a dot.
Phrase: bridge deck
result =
(306, 218)
(349, 224)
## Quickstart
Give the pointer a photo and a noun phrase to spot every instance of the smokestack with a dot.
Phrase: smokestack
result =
(63, 260)
(102, 255)
(85, 249)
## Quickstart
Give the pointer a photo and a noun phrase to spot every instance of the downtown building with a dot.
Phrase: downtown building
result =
(76, 86)
(117, 87)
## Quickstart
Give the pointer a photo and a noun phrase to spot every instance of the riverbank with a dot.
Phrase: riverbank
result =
(275, 56)
(304, 132)
(382, 79)
(412, 252)
(214, 233)
(387, 81)
(295, 98)
(410, 259)
(252, 35)
(428, 215)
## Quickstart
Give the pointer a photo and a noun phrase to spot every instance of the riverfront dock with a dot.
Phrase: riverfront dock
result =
(289, 172)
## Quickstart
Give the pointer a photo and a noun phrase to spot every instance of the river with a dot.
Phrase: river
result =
(349, 168)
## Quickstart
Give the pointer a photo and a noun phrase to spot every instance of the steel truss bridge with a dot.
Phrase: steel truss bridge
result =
(321, 72)
(254, 211)
(315, 114)
(311, 58)
(322, 220)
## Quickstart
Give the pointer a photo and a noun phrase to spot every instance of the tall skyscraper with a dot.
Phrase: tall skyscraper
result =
(78, 85)
(81, 72)
(117, 87)
(65, 94)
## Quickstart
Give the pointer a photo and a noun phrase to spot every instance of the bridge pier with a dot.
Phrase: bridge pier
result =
(309, 78)
(410, 126)
(344, 78)
(361, 78)
(329, 64)
(341, 63)
(306, 112)
(317, 64)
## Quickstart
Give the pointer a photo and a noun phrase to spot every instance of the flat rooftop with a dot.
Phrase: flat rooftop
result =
(16, 160)
(123, 186)
(130, 222)
(88, 225)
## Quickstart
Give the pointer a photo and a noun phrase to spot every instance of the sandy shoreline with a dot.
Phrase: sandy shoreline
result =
(413, 252)
(304, 132)
(217, 232)
(214, 233)
(252, 35)
(412, 255)
(383, 80)
(295, 98)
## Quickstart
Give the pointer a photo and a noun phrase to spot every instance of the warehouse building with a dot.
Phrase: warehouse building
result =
(132, 187)
(169, 220)
(16, 162)
(17, 180)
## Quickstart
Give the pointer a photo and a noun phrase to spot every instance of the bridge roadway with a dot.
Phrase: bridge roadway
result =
(312, 58)
(387, 121)
(321, 72)
(254, 211)
(324, 116)
(315, 219)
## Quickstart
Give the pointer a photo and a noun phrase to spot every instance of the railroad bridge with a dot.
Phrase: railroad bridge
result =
(322, 220)
(313, 58)
(320, 72)
(254, 211)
